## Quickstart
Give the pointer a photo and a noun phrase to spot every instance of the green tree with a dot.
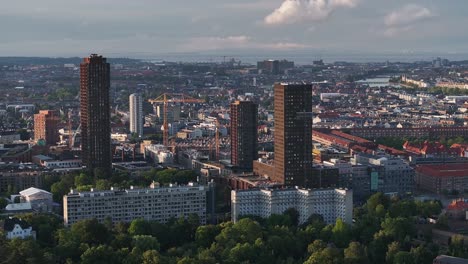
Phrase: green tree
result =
(326, 233)
(393, 249)
(326, 256)
(101, 254)
(377, 250)
(205, 235)
(144, 243)
(376, 200)
(83, 179)
(103, 184)
(398, 228)
(404, 208)
(244, 231)
(3, 203)
(100, 173)
(68, 246)
(422, 254)
(341, 233)
(293, 215)
(90, 231)
(279, 220)
(139, 227)
(241, 253)
(457, 247)
(403, 257)
(442, 222)
(316, 246)
(355, 253)
(59, 189)
(23, 251)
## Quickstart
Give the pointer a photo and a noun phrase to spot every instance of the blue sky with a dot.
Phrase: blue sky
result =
(140, 27)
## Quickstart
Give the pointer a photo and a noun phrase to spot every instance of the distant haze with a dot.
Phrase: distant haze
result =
(154, 28)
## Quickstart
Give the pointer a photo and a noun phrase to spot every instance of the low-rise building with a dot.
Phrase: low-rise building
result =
(439, 178)
(40, 200)
(443, 259)
(458, 209)
(154, 203)
(62, 164)
(17, 228)
(159, 154)
(331, 204)
(13, 181)
(388, 174)
(9, 137)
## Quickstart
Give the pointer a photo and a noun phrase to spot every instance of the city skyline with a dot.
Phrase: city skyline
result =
(138, 29)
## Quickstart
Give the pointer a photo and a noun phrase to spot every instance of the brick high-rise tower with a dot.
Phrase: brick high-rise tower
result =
(293, 134)
(95, 113)
(45, 127)
(243, 134)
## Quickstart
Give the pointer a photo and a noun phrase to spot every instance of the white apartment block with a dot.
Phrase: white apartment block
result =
(136, 114)
(331, 204)
(154, 203)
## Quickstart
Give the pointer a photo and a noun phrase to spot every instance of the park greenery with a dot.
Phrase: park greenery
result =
(385, 231)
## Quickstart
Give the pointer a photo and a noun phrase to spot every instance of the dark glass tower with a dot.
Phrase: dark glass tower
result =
(95, 114)
(293, 134)
(243, 134)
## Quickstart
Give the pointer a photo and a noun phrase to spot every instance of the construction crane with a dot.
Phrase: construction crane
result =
(167, 98)
(70, 132)
(215, 143)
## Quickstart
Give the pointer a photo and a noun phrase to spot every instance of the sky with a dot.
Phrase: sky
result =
(139, 28)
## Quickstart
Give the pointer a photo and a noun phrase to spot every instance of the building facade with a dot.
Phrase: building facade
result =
(441, 178)
(323, 177)
(293, 134)
(95, 113)
(136, 114)
(14, 181)
(154, 203)
(387, 174)
(17, 228)
(331, 204)
(243, 134)
(45, 127)
(9, 137)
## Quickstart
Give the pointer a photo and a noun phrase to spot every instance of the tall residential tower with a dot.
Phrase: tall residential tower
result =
(293, 134)
(45, 127)
(243, 134)
(95, 113)
(136, 114)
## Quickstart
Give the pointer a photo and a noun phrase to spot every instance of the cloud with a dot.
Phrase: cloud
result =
(404, 19)
(241, 42)
(294, 11)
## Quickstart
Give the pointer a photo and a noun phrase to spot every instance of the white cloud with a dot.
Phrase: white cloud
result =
(294, 11)
(241, 42)
(282, 46)
(404, 19)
